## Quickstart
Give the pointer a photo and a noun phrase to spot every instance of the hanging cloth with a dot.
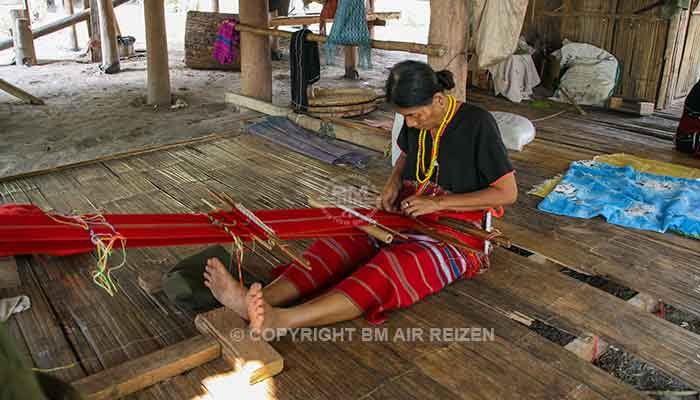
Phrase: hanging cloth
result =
(304, 66)
(227, 42)
(350, 28)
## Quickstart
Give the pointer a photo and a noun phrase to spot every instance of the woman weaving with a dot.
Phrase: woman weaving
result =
(452, 159)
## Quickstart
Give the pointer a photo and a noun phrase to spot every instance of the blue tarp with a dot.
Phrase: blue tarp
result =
(627, 197)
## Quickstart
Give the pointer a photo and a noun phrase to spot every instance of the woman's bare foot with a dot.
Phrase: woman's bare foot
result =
(225, 288)
(263, 317)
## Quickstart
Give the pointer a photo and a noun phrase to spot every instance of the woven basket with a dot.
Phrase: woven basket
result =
(342, 102)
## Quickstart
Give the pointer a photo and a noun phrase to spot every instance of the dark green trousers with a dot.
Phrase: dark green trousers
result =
(184, 283)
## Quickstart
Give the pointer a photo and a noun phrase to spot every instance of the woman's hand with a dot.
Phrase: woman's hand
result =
(415, 206)
(387, 200)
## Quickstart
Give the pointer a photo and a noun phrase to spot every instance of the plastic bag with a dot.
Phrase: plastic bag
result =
(516, 130)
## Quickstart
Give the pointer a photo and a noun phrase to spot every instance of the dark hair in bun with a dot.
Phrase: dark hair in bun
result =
(413, 84)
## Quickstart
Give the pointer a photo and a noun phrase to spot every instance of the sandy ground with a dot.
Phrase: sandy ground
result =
(90, 114)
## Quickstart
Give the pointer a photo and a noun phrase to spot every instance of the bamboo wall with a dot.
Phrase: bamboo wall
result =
(690, 66)
(638, 41)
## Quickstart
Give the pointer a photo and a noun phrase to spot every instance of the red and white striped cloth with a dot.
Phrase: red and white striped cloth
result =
(381, 278)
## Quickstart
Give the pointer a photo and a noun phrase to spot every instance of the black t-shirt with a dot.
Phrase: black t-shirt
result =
(471, 155)
(692, 102)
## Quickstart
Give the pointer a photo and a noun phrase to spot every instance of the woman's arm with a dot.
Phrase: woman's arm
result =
(392, 188)
(500, 193)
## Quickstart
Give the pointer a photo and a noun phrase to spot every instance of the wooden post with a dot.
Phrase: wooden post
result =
(22, 38)
(157, 51)
(215, 6)
(72, 32)
(256, 66)
(449, 24)
(95, 48)
(351, 62)
(88, 21)
(274, 40)
(108, 37)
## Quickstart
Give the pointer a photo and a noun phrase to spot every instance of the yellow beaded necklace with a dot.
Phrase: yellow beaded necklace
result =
(420, 162)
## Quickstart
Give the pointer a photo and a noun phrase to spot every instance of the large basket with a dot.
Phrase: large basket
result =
(342, 102)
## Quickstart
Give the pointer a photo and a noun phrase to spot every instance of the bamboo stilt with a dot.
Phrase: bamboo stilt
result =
(157, 45)
(256, 66)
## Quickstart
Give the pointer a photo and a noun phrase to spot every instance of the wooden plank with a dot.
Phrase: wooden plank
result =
(19, 93)
(9, 277)
(139, 373)
(254, 358)
(519, 359)
(538, 290)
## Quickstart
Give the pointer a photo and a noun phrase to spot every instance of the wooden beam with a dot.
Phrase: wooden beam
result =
(23, 40)
(158, 80)
(314, 19)
(578, 14)
(108, 37)
(256, 65)
(351, 62)
(409, 47)
(72, 32)
(59, 24)
(337, 130)
(641, 108)
(449, 24)
(256, 105)
(142, 372)
(215, 6)
(253, 357)
(95, 51)
(19, 93)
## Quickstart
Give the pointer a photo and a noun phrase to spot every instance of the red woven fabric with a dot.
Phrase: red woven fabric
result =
(25, 229)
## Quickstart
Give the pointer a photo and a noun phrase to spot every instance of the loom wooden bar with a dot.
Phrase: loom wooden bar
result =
(61, 24)
(108, 37)
(449, 21)
(374, 231)
(158, 81)
(139, 373)
(256, 65)
(22, 39)
(19, 93)
(314, 19)
(249, 356)
(410, 47)
(72, 32)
